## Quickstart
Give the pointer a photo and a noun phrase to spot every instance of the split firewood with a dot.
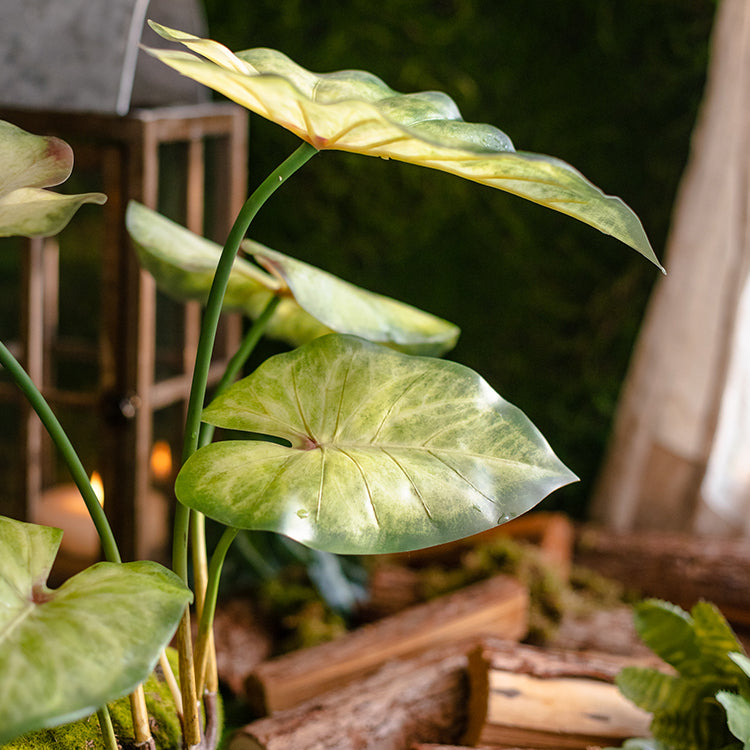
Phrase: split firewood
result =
(522, 696)
(496, 607)
(679, 568)
(407, 700)
(432, 746)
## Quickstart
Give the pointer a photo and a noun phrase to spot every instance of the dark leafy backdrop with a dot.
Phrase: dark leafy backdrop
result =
(549, 308)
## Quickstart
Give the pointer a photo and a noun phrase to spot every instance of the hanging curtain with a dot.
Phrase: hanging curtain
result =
(679, 456)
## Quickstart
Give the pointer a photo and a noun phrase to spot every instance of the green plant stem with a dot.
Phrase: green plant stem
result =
(209, 604)
(68, 453)
(237, 362)
(197, 396)
(210, 324)
(197, 519)
(108, 731)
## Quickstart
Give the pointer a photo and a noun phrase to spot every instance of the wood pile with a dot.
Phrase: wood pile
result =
(451, 673)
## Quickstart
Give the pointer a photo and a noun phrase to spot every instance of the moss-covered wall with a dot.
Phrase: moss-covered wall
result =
(549, 308)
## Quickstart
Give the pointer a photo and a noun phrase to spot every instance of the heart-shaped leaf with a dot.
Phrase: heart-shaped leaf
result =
(66, 652)
(29, 163)
(356, 111)
(313, 302)
(388, 451)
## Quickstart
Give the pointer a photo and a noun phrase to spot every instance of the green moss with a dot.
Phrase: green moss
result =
(86, 734)
(301, 616)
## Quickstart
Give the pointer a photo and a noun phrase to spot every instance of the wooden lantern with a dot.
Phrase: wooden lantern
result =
(139, 364)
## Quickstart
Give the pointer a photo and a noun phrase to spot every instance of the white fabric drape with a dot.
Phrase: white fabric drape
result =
(687, 366)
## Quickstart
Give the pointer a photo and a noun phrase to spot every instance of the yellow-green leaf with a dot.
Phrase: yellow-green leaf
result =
(356, 111)
(66, 652)
(28, 164)
(313, 302)
(386, 451)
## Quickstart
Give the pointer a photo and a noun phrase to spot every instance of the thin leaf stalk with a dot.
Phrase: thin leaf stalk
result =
(209, 605)
(108, 731)
(200, 582)
(210, 323)
(191, 728)
(171, 681)
(66, 450)
(197, 520)
(195, 406)
(141, 728)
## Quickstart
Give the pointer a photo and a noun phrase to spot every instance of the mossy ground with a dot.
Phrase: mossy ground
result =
(85, 734)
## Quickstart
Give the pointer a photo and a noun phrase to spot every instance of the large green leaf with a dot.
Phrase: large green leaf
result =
(387, 451)
(66, 652)
(356, 111)
(29, 163)
(313, 302)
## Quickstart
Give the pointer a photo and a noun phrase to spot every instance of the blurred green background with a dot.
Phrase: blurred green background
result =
(549, 308)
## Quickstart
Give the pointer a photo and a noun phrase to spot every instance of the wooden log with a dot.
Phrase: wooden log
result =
(498, 606)
(610, 630)
(679, 568)
(242, 642)
(531, 697)
(423, 698)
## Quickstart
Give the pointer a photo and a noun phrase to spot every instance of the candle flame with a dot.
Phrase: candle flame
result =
(161, 460)
(98, 486)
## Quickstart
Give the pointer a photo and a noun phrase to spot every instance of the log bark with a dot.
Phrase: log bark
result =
(495, 607)
(242, 642)
(610, 630)
(680, 568)
(419, 699)
(526, 696)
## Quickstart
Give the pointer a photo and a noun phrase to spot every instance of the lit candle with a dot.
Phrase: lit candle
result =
(63, 507)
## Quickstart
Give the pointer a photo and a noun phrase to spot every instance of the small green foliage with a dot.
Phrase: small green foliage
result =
(738, 706)
(686, 712)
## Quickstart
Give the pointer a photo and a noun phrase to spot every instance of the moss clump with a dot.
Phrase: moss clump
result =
(300, 614)
(85, 734)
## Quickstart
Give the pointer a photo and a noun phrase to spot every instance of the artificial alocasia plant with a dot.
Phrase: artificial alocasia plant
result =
(703, 704)
(363, 440)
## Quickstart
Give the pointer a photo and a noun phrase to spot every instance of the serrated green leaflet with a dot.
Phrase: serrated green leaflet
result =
(388, 451)
(355, 111)
(694, 644)
(66, 652)
(738, 716)
(716, 640)
(668, 631)
(314, 302)
(29, 163)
